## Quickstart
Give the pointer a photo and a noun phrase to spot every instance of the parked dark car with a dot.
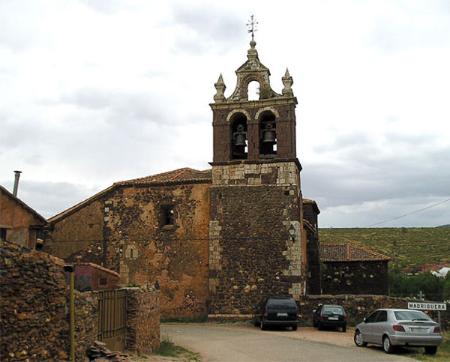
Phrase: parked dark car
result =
(330, 315)
(399, 327)
(277, 311)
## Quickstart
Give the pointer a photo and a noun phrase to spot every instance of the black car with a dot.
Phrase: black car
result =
(329, 315)
(277, 311)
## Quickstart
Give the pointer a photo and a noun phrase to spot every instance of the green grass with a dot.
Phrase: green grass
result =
(169, 349)
(442, 355)
(409, 248)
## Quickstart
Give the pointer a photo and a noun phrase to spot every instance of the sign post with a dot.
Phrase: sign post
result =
(428, 306)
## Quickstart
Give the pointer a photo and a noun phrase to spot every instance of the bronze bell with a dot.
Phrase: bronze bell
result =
(239, 136)
(269, 134)
(239, 140)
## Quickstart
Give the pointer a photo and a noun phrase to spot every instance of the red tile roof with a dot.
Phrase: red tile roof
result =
(182, 175)
(349, 252)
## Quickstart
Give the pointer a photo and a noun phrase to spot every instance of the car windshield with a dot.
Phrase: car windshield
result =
(283, 303)
(333, 310)
(411, 315)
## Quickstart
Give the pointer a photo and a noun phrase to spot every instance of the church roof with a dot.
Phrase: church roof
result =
(349, 252)
(180, 176)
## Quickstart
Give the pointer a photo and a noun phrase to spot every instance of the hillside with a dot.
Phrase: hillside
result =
(409, 248)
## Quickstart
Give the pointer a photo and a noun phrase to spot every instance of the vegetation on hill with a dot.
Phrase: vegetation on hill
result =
(411, 249)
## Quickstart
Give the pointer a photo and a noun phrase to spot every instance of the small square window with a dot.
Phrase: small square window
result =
(167, 215)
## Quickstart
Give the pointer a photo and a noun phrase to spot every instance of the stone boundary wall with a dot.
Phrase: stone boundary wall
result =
(86, 322)
(143, 320)
(34, 308)
(360, 306)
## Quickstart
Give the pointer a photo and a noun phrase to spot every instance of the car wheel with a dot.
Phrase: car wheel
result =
(294, 327)
(256, 322)
(430, 350)
(387, 346)
(358, 339)
(262, 325)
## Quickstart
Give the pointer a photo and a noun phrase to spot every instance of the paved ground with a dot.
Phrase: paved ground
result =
(236, 343)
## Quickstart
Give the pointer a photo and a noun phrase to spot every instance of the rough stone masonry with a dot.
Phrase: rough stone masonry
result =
(214, 241)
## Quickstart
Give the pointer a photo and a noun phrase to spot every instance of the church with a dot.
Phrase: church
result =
(216, 241)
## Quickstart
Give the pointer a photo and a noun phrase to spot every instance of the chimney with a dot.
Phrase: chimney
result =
(16, 181)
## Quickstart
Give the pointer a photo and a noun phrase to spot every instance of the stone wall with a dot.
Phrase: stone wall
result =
(360, 306)
(366, 277)
(254, 174)
(121, 230)
(86, 322)
(252, 254)
(143, 315)
(34, 314)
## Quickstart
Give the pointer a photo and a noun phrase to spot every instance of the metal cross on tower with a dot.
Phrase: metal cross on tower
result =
(252, 24)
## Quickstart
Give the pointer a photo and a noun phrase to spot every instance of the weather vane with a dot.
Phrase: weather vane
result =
(252, 24)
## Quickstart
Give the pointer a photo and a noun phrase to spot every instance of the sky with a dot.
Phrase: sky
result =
(98, 91)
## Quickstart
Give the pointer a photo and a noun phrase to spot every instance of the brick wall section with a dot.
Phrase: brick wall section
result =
(367, 277)
(143, 315)
(121, 231)
(34, 323)
(360, 306)
(252, 254)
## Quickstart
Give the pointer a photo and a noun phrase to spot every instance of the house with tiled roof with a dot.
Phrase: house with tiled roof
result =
(19, 223)
(353, 269)
(214, 241)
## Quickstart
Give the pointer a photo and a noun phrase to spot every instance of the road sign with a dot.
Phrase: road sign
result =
(427, 306)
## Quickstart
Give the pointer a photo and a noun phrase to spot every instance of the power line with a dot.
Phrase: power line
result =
(410, 213)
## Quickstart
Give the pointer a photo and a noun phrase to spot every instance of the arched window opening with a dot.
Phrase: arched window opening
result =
(268, 134)
(253, 91)
(239, 144)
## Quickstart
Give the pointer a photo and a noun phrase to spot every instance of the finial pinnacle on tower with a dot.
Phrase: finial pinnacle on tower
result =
(252, 28)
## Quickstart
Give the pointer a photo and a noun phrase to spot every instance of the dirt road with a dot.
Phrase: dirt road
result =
(230, 343)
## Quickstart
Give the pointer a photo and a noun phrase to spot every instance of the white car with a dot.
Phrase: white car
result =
(399, 327)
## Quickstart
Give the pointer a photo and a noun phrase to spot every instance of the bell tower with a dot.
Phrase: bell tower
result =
(256, 246)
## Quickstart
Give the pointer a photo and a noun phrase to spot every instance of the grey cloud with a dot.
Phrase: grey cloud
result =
(344, 141)
(105, 6)
(362, 173)
(418, 31)
(49, 198)
(398, 176)
(132, 107)
(211, 27)
(386, 212)
(108, 135)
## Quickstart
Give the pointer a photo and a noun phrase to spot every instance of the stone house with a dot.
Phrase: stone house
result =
(215, 241)
(353, 269)
(19, 223)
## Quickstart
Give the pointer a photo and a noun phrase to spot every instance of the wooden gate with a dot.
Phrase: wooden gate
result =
(112, 318)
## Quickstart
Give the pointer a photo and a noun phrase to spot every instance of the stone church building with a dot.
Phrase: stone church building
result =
(216, 241)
